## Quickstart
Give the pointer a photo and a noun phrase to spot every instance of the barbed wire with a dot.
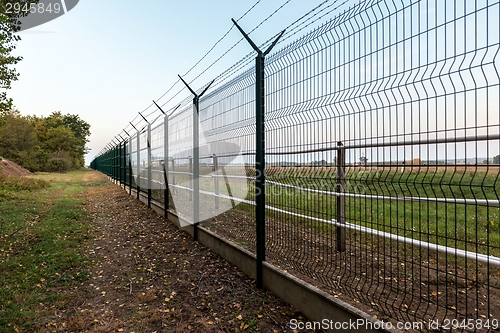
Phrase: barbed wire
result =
(292, 29)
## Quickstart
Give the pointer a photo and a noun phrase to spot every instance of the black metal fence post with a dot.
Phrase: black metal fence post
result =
(138, 155)
(148, 157)
(116, 162)
(173, 171)
(108, 162)
(260, 159)
(150, 170)
(191, 176)
(166, 195)
(340, 187)
(124, 164)
(113, 162)
(109, 157)
(116, 165)
(130, 173)
(216, 181)
(121, 155)
(126, 160)
(196, 156)
(120, 165)
(166, 201)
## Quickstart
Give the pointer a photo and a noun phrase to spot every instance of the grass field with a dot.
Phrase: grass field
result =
(42, 224)
(464, 226)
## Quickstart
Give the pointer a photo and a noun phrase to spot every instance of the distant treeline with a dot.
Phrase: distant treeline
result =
(55, 143)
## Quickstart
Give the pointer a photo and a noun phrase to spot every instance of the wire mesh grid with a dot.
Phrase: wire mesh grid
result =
(409, 91)
(227, 121)
(158, 184)
(382, 160)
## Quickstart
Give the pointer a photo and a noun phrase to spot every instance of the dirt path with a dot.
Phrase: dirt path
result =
(148, 276)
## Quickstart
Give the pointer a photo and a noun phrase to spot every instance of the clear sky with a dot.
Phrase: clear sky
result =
(107, 60)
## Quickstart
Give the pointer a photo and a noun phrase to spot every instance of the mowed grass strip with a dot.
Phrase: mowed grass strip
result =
(42, 228)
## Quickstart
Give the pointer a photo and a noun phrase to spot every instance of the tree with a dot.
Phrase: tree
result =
(60, 138)
(59, 132)
(7, 73)
(53, 143)
(19, 143)
(17, 135)
(496, 159)
(9, 24)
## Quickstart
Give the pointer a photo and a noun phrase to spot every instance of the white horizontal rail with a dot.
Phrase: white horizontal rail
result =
(463, 201)
(478, 202)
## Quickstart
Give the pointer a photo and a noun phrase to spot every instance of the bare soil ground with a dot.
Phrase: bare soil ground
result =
(9, 168)
(149, 276)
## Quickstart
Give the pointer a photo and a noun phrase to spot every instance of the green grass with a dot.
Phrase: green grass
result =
(42, 228)
(471, 227)
(467, 227)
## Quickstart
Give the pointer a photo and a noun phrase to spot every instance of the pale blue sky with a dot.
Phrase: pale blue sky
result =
(107, 60)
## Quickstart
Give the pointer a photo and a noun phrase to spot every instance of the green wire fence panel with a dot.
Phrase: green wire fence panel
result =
(382, 159)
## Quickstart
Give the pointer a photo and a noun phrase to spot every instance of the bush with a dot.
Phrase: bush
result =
(59, 165)
(32, 160)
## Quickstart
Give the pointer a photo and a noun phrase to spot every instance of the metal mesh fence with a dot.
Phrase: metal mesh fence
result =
(180, 152)
(227, 120)
(382, 147)
(157, 164)
(412, 100)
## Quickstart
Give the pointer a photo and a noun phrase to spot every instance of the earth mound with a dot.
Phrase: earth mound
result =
(9, 168)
